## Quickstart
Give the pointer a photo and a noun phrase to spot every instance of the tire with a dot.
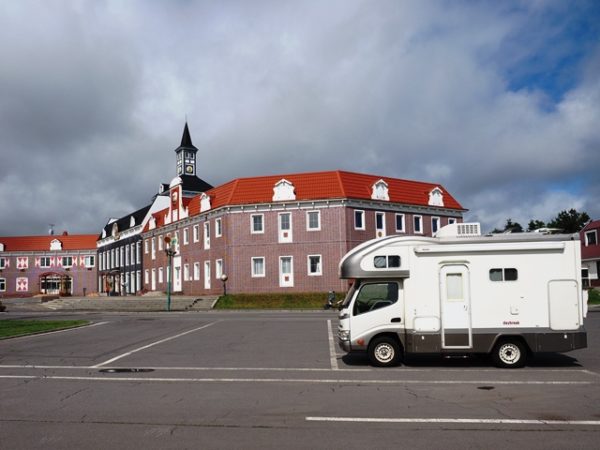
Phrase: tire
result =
(509, 354)
(384, 352)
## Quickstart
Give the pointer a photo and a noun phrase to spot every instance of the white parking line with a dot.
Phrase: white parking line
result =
(332, 353)
(293, 380)
(456, 421)
(152, 345)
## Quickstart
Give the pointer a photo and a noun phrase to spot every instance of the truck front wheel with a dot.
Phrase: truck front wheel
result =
(509, 354)
(384, 352)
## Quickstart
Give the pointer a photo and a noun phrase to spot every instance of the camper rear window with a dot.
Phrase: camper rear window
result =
(504, 275)
(386, 261)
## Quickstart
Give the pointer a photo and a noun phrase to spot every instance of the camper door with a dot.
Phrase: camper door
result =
(455, 308)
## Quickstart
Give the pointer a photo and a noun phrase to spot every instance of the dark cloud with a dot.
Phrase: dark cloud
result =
(93, 98)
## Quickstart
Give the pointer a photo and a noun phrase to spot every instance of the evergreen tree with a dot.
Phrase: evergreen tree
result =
(570, 221)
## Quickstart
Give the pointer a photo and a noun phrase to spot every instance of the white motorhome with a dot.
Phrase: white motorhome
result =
(459, 293)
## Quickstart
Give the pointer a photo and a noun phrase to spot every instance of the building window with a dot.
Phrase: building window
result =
(196, 271)
(218, 268)
(435, 224)
(591, 238)
(218, 227)
(45, 261)
(196, 233)
(286, 271)
(90, 261)
(67, 261)
(257, 223)
(313, 220)
(504, 275)
(400, 223)
(285, 227)
(160, 243)
(146, 246)
(160, 274)
(206, 235)
(186, 236)
(146, 276)
(258, 267)
(359, 220)
(451, 220)
(138, 252)
(206, 274)
(314, 265)
(418, 224)
(186, 272)
(2, 263)
(2, 284)
(153, 246)
(379, 224)
(127, 255)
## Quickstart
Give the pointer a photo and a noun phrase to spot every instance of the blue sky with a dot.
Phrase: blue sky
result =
(497, 101)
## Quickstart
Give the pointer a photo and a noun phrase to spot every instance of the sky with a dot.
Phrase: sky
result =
(499, 102)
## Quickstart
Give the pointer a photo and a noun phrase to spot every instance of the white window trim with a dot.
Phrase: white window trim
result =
(90, 261)
(146, 246)
(290, 237)
(186, 236)
(2, 263)
(197, 271)
(292, 282)
(196, 233)
(586, 237)
(63, 258)
(364, 221)
(252, 231)
(403, 229)
(160, 275)
(415, 222)
(383, 224)
(3, 282)
(439, 225)
(308, 213)
(43, 259)
(451, 220)
(186, 272)
(314, 274)
(218, 268)
(264, 265)
(218, 227)
(206, 229)
(146, 276)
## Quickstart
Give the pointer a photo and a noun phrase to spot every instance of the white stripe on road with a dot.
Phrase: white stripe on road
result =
(456, 421)
(292, 380)
(332, 354)
(152, 345)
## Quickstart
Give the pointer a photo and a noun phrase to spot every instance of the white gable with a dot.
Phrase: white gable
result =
(204, 202)
(380, 191)
(436, 197)
(55, 245)
(283, 190)
(132, 222)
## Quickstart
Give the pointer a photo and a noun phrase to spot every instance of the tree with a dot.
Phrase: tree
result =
(510, 227)
(570, 221)
(535, 224)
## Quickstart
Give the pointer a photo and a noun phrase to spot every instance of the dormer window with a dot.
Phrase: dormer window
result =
(436, 197)
(132, 222)
(115, 231)
(283, 190)
(55, 245)
(1, 247)
(204, 202)
(380, 191)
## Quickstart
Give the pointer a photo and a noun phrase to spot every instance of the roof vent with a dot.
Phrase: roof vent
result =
(460, 230)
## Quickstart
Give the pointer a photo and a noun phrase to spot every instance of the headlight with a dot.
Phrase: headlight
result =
(344, 335)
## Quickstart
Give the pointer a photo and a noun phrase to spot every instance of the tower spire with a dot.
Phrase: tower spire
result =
(186, 139)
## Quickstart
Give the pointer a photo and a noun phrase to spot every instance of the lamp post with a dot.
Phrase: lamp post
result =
(224, 280)
(170, 253)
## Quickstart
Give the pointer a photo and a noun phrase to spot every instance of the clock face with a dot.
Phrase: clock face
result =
(189, 169)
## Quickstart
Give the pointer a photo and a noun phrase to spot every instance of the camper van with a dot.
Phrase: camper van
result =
(461, 293)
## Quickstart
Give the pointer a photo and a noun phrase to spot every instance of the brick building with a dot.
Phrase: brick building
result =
(283, 233)
(590, 253)
(61, 265)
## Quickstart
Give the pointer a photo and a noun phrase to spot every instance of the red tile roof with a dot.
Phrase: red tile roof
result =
(322, 186)
(42, 243)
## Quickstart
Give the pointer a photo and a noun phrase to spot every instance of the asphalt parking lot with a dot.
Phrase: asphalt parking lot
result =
(277, 379)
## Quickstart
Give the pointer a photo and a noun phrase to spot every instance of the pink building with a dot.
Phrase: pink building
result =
(60, 265)
(283, 233)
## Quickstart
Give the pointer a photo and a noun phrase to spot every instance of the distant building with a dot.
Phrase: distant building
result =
(590, 253)
(61, 265)
(120, 262)
(285, 232)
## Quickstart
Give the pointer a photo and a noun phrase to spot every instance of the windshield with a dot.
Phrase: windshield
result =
(350, 294)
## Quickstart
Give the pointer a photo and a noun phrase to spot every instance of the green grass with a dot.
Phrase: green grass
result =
(12, 328)
(312, 300)
(593, 297)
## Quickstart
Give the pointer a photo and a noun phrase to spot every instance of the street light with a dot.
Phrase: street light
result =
(224, 280)
(170, 253)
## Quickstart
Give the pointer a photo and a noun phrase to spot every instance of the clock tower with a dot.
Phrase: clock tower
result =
(186, 155)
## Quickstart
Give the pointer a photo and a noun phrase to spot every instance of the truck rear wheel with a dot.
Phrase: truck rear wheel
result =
(384, 351)
(509, 354)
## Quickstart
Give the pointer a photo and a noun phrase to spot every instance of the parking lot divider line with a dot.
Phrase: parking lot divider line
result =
(152, 345)
(332, 353)
(288, 380)
(457, 421)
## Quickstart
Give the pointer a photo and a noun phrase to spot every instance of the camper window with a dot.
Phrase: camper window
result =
(373, 296)
(386, 262)
(504, 275)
